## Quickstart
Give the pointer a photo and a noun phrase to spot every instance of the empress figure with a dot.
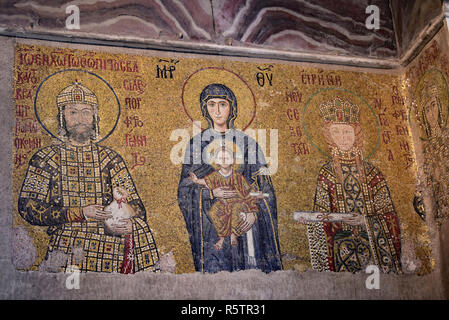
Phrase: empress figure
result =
(368, 232)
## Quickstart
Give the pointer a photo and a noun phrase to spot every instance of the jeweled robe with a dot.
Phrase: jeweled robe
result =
(61, 180)
(338, 246)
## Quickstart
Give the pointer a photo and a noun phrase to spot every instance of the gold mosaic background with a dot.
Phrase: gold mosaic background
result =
(431, 68)
(287, 89)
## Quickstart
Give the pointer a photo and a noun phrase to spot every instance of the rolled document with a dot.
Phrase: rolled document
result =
(255, 194)
(314, 216)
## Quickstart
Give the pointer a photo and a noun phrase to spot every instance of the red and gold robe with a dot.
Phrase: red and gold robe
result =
(225, 213)
(337, 246)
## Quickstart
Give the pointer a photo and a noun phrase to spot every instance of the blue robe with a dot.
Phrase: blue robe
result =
(195, 202)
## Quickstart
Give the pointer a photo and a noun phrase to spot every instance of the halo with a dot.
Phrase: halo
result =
(311, 119)
(437, 78)
(197, 81)
(215, 145)
(45, 100)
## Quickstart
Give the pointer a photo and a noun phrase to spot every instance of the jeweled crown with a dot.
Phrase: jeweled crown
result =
(76, 93)
(340, 111)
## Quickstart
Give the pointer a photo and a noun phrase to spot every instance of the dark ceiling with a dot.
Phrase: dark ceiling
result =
(312, 26)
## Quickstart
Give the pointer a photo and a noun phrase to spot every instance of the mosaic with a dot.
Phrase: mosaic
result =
(131, 163)
(427, 78)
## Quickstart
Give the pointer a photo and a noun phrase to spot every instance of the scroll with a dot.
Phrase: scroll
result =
(314, 216)
(256, 194)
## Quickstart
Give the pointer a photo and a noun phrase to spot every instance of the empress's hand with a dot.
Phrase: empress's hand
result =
(354, 220)
(124, 226)
(301, 220)
(96, 211)
(223, 192)
(249, 221)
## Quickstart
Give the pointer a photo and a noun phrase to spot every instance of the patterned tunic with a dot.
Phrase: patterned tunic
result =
(60, 180)
(343, 247)
(225, 213)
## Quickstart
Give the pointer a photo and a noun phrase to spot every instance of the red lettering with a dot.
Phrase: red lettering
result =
(22, 111)
(293, 114)
(300, 148)
(23, 94)
(390, 155)
(137, 85)
(293, 96)
(27, 143)
(27, 125)
(135, 140)
(132, 103)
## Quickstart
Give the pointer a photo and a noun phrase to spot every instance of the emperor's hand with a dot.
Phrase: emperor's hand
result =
(96, 212)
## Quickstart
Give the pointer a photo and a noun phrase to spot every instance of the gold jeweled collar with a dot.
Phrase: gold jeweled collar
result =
(348, 155)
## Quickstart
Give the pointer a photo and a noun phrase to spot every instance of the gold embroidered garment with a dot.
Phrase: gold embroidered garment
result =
(60, 181)
(337, 246)
(225, 213)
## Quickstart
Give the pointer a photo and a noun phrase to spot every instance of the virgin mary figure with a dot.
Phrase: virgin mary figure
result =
(258, 247)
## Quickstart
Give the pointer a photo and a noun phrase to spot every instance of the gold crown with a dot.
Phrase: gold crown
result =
(340, 111)
(76, 93)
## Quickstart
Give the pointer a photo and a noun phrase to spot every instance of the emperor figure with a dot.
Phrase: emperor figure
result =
(367, 232)
(68, 185)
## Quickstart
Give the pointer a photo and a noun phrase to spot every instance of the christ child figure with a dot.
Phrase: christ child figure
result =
(229, 214)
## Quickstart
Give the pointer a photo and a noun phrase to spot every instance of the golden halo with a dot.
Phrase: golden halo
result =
(197, 81)
(437, 79)
(47, 111)
(313, 122)
(217, 144)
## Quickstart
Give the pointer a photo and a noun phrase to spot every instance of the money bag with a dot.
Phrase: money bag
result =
(119, 207)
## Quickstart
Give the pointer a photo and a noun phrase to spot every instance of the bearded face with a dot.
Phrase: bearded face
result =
(79, 122)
